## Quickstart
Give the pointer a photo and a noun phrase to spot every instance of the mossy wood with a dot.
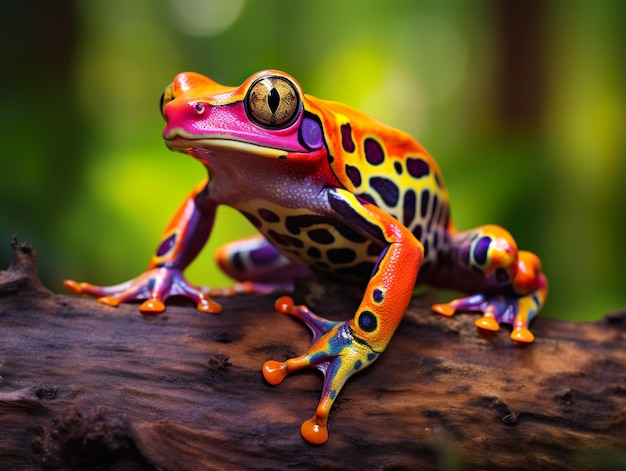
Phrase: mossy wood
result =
(86, 386)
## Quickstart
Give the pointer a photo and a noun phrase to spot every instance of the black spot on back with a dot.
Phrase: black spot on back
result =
(373, 151)
(346, 138)
(424, 200)
(397, 167)
(408, 207)
(417, 167)
(354, 174)
(387, 190)
(417, 232)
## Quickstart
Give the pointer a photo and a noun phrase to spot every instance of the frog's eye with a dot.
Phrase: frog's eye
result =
(168, 95)
(273, 102)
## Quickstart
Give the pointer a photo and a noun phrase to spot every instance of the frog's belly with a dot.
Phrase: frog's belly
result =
(327, 245)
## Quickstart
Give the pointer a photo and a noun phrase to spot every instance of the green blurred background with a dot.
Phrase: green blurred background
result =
(522, 103)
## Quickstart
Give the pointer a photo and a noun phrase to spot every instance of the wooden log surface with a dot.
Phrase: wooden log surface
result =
(87, 386)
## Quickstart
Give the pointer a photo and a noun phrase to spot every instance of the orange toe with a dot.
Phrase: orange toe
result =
(522, 335)
(443, 309)
(72, 286)
(109, 300)
(152, 307)
(274, 372)
(314, 432)
(487, 323)
(284, 304)
(209, 306)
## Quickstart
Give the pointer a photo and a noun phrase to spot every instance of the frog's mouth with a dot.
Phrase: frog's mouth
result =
(205, 147)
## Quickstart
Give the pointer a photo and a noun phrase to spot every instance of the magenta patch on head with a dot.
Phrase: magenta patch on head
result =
(311, 133)
(231, 122)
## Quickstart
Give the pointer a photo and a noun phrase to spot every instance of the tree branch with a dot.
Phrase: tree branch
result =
(87, 386)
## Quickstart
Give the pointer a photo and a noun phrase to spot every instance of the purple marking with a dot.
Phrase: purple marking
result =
(264, 255)
(373, 151)
(417, 167)
(354, 174)
(346, 138)
(378, 295)
(480, 251)
(166, 245)
(311, 133)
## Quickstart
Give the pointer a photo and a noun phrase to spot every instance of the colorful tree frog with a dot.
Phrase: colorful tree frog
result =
(334, 191)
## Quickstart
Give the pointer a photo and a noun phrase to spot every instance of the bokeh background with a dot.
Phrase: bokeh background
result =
(522, 103)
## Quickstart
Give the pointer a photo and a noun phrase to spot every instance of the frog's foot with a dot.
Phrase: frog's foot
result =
(155, 286)
(335, 351)
(497, 309)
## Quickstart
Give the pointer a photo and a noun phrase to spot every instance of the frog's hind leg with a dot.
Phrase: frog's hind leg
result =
(510, 284)
(257, 266)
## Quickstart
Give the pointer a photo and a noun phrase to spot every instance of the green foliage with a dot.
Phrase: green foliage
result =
(87, 180)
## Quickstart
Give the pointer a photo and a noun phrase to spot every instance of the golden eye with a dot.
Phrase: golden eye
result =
(273, 102)
(168, 95)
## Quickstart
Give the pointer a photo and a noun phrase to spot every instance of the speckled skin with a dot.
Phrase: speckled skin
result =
(330, 190)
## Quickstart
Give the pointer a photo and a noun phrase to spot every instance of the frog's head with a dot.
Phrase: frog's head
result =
(264, 116)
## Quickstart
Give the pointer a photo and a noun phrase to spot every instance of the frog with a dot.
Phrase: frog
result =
(331, 191)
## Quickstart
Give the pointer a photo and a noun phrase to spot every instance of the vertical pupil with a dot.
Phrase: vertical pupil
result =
(273, 100)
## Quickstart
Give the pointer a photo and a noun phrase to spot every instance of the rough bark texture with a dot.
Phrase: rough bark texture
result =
(86, 386)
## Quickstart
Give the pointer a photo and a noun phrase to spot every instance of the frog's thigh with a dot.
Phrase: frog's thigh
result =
(256, 259)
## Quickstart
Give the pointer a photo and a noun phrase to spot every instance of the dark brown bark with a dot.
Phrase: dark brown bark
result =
(86, 386)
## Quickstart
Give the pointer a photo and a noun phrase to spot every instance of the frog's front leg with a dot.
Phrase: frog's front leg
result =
(183, 238)
(510, 286)
(340, 349)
